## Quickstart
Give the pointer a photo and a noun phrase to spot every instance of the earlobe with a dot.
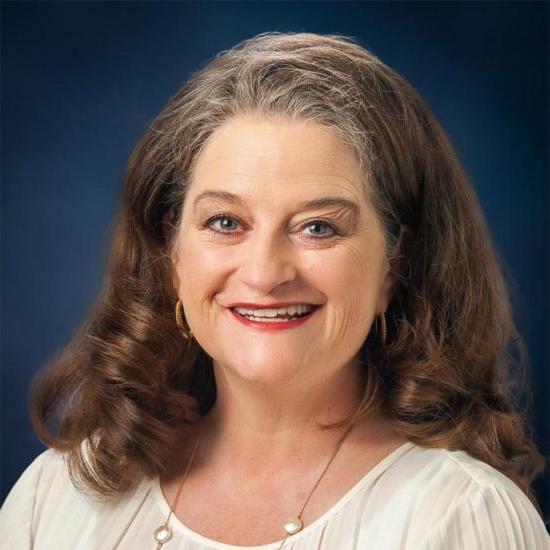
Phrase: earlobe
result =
(175, 276)
(176, 282)
(387, 292)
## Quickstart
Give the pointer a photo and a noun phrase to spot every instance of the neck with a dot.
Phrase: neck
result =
(257, 428)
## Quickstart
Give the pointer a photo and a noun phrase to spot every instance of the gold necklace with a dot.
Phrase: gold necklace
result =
(163, 533)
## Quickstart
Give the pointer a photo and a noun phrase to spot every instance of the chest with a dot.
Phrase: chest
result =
(250, 516)
(240, 524)
(249, 512)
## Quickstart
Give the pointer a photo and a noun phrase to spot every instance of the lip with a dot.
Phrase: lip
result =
(269, 306)
(267, 326)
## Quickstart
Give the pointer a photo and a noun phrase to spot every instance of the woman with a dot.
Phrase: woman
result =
(302, 339)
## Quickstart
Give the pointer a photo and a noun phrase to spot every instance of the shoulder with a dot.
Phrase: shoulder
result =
(457, 502)
(39, 476)
(22, 505)
(49, 511)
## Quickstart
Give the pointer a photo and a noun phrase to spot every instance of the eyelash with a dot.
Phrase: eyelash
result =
(222, 215)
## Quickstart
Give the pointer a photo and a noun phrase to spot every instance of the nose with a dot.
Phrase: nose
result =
(267, 261)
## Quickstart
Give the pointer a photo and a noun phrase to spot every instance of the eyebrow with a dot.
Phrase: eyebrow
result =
(315, 203)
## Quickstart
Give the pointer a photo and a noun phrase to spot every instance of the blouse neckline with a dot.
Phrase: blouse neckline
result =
(178, 525)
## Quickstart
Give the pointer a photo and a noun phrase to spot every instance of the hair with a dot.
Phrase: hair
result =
(453, 371)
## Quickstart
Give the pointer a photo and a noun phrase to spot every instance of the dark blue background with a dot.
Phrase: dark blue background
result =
(81, 81)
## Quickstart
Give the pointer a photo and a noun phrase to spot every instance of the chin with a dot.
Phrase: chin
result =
(262, 372)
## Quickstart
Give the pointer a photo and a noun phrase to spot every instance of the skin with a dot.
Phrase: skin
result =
(273, 386)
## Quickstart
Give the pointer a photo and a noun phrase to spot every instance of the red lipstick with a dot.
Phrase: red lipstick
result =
(269, 306)
(269, 326)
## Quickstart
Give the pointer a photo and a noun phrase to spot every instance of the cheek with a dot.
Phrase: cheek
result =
(354, 270)
(353, 287)
(202, 270)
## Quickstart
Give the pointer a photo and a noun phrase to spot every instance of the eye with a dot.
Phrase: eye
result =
(322, 223)
(227, 222)
(222, 218)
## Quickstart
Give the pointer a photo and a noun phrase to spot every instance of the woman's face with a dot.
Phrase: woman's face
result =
(268, 246)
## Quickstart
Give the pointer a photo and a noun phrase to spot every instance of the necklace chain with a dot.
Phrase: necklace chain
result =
(164, 532)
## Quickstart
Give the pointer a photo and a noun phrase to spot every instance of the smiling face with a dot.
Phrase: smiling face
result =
(268, 246)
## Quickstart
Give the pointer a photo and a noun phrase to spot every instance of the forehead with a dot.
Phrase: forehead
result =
(268, 156)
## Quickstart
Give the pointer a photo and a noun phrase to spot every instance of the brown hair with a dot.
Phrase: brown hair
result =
(117, 396)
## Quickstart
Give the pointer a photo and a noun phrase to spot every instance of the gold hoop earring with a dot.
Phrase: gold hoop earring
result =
(187, 334)
(382, 330)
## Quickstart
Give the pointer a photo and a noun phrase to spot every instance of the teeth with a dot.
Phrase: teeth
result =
(291, 310)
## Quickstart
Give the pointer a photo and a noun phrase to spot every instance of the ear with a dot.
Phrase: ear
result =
(169, 230)
(399, 268)
(386, 292)
(406, 250)
(168, 225)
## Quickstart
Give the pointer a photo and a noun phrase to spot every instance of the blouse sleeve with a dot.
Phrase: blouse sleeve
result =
(493, 518)
(19, 509)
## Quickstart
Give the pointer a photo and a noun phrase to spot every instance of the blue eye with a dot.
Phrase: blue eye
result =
(220, 218)
(225, 230)
(321, 223)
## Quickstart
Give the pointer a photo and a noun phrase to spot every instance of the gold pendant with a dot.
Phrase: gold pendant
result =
(293, 525)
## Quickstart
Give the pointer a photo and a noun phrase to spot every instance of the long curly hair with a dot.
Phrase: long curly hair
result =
(453, 373)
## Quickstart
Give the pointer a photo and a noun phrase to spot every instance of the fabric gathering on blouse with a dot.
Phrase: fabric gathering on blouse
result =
(414, 499)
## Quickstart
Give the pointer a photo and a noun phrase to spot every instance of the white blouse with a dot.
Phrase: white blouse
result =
(414, 499)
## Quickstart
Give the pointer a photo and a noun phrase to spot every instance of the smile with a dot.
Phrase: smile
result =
(282, 322)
